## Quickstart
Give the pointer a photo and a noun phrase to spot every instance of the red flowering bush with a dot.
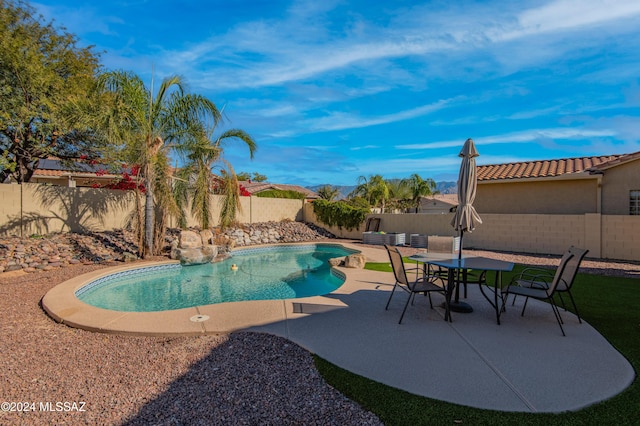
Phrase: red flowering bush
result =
(126, 181)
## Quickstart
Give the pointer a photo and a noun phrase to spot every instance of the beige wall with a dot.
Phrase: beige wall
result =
(616, 184)
(550, 197)
(608, 237)
(42, 209)
(47, 209)
(620, 238)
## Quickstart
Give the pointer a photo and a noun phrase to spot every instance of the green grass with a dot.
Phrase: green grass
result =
(609, 304)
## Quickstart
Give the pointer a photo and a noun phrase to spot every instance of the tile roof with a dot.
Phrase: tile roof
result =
(451, 199)
(255, 187)
(551, 168)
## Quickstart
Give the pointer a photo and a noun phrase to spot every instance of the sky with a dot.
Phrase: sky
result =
(333, 90)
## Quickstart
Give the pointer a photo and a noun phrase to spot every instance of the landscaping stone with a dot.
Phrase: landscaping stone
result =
(64, 249)
(195, 256)
(356, 261)
(189, 239)
(336, 261)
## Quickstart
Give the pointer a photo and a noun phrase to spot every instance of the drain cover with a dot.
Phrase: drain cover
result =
(199, 318)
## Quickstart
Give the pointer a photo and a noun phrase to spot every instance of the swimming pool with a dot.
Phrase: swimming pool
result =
(265, 273)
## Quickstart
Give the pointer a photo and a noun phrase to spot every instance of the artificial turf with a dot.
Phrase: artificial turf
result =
(609, 304)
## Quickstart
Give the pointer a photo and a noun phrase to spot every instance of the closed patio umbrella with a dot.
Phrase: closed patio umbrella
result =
(466, 218)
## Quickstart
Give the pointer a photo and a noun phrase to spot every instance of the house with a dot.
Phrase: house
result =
(438, 203)
(607, 185)
(256, 187)
(52, 171)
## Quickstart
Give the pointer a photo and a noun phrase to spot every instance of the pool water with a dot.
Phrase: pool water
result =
(281, 272)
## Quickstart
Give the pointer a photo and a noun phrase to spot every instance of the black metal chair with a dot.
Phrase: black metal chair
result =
(425, 284)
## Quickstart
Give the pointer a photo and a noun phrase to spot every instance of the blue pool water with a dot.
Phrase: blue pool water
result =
(281, 272)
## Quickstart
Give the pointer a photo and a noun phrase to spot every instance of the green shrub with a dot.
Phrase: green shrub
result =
(281, 193)
(339, 213)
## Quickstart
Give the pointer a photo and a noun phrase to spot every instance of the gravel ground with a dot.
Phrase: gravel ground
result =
(239, 379)
(242, 378)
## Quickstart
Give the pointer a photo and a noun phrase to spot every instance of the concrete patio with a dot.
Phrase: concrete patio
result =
(524, 364)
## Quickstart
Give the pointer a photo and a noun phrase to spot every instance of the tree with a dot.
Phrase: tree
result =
(202, 156)
(255, 177)
(420, 188)
(328, 192)
(150, 126)
(44, 79)
(375, 190)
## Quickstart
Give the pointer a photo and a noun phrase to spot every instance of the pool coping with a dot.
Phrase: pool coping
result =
(62, 304)
(521, 365)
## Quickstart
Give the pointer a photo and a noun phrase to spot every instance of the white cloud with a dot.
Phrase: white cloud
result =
(527, 136)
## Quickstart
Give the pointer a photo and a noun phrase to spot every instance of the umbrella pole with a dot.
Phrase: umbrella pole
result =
(456, 305)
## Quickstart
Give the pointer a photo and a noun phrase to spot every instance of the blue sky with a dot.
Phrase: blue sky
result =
(332, 90)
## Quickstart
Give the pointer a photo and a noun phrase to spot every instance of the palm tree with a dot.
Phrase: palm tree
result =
(328, 192)
(231, 201)
(201, 156)
(150, 127)
(399, 194)
(420, 188)
(375, 190)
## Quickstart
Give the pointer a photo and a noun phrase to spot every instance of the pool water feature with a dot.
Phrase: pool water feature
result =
(266, 273)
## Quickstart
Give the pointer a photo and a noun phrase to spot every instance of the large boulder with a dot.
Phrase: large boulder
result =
(189, 239)
(356, 261)
(195, 256)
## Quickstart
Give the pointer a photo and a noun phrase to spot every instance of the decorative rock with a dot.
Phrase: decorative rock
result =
(207, 237)
(196, 256)
(336, 261)
(356, 261)
(129, 257)
(189, 239)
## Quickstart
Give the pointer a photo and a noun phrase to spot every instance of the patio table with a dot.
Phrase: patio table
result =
(454, 264)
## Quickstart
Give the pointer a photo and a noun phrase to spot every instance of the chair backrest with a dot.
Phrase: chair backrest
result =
(397, 265)
(440, 244)
(571, 270)
(373, 224)
(557, 278)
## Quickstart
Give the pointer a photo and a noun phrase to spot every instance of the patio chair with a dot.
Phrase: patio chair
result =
(372, 224)
(537, 277)
(425, 284)
(539, 284)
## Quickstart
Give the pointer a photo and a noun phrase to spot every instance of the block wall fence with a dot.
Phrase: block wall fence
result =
(29, 209)
(605, 236)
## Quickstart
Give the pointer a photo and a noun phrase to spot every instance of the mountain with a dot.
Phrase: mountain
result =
(441, 187)
(447, 187)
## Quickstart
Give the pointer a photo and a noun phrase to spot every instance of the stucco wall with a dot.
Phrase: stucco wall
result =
(616, 184)
(42, 209)
(605, 236)
(552, 197)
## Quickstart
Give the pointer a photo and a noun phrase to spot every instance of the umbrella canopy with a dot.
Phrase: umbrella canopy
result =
(466, 217)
